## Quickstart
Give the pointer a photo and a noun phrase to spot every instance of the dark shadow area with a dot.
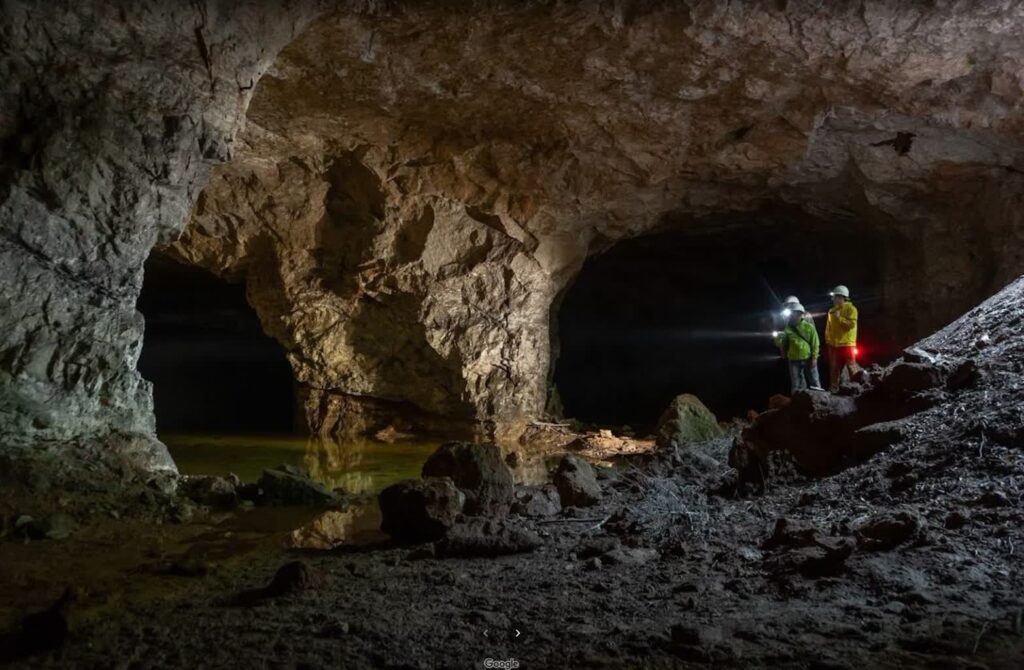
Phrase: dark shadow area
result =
(212, 367)
(693, 311)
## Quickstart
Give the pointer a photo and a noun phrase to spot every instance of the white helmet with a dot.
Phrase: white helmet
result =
(841, 290)
(796, 308)
(791, 300)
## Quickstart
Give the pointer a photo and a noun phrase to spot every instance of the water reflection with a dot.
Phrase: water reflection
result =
(357, 466)
(364, 466)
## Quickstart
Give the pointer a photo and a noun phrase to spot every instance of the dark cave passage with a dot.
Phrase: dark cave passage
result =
(212, 367)
(691, 311)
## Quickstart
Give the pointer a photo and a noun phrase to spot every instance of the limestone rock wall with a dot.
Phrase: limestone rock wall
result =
(418, 182)
(110, 115)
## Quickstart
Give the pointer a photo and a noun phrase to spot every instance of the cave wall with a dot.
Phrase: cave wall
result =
(111, 114)
(418, 183)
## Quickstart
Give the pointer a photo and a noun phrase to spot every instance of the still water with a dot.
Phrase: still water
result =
(357, 466)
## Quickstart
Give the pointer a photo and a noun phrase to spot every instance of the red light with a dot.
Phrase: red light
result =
(856, 351)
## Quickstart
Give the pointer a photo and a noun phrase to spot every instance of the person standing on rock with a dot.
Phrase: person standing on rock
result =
(800, 345)
(841, 337)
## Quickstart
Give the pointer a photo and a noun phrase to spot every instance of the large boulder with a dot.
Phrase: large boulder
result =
(479, 471)
(576, 482)
(420, 510)
(686, 421)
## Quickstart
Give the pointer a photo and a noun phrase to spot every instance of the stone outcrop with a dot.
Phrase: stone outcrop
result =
(110, 116)
(416, 188)
(686, 421)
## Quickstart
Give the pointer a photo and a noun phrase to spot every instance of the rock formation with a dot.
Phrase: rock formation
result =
(110, 116)
(417, 186)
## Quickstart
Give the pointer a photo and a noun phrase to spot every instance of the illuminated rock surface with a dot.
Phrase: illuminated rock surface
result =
(416, 186)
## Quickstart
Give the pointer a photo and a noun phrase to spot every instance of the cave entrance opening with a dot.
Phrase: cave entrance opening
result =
(691, 310)
(213, 369)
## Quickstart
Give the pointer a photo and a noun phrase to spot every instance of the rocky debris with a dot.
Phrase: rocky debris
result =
(686, 421)
(210, 490)
(479, 472)
(420, 510)
(576, 483)
(477, 537)
(889, 530)
(825, 433)
(291, 485)
(537, 501)
(798, 546)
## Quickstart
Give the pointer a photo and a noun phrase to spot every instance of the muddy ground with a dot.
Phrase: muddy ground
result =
(912, 559)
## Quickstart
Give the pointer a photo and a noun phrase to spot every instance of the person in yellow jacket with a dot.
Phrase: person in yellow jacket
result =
(841, 337)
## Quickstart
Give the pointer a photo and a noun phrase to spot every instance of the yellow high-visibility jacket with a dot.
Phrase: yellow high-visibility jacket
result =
(841, 326)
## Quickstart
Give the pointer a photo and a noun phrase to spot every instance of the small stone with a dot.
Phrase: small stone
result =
(295, 577)
(956, 520)
(994, 499)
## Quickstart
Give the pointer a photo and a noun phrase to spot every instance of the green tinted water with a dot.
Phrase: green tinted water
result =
(357, 466)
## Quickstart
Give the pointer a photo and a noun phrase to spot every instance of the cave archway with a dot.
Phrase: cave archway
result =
(691, 308)
(212, 367)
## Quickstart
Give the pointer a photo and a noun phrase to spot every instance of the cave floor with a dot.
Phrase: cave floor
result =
(691, 579)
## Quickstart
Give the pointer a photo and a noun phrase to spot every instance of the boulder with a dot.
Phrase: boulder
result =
(420, 510)
(576, 483)
(686, 421)
(537, 501)
(217, 492)
(291, 485)
(479, 472)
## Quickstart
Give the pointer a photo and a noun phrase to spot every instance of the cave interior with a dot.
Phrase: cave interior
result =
(435, 335)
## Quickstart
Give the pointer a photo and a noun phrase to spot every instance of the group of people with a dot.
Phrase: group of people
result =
(800, 345)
